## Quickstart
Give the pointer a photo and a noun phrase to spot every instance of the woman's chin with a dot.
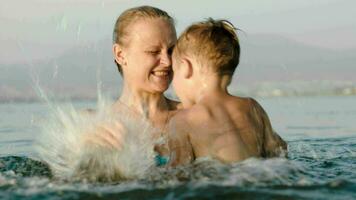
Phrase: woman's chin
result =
(160, 88)
(160, 85)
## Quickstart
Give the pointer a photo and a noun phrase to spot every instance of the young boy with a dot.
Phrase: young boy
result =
(213, 122)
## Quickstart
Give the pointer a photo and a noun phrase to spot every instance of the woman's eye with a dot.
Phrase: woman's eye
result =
(153, 52)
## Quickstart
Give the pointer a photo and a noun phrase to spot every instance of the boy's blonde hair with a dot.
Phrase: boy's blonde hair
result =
(214, 43)
(128, 17)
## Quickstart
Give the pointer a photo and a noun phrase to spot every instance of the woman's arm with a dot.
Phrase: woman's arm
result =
(181, 151)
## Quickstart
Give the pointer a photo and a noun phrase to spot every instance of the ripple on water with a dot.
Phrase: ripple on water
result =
(314, 170)
(24, 178)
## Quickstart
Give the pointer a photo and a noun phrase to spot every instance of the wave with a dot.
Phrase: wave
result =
(23, 166)
(204, 179)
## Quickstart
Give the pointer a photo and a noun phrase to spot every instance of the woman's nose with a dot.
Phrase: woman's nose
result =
(166, 59)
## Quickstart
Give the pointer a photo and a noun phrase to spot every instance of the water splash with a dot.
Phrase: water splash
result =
(61, 143)
(319, 166)
(79, 31)
(55, 72)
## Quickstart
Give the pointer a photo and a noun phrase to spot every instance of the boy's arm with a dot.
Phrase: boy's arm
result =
(273, 144)
(181, 150)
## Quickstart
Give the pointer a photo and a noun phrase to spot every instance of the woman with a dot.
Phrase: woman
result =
(143, 41)
(91, 146)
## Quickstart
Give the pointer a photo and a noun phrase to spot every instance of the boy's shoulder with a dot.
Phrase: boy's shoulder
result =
(189, 114)
(201, 113)
(190, 117)
(243, 104)
(246, 108)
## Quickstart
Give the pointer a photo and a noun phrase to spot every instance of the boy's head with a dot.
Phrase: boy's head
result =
(213, 43)
(208, 47)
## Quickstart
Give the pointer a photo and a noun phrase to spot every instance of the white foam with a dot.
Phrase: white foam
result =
(61, 145)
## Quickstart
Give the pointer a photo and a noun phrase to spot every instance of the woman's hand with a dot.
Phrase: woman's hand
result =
(107, 135)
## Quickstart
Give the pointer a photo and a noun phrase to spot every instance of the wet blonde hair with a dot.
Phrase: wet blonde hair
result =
(214, 43)
(130, 16)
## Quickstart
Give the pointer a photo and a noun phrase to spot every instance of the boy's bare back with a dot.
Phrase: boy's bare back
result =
(214, 123)
(223, 127)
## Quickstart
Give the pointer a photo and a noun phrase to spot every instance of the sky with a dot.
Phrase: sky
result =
(34, 30)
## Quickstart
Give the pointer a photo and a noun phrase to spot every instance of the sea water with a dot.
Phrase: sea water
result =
(321, 164)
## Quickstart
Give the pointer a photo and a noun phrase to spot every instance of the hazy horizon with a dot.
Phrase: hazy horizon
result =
(282, 41)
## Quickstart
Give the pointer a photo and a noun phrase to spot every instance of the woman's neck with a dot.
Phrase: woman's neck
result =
(144, 103)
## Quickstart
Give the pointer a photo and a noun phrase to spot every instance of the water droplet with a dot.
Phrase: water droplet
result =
(55, 73)
(79, 29)
(62, 25)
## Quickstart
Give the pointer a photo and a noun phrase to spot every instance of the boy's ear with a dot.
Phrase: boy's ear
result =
(118, 54)
(187, 68)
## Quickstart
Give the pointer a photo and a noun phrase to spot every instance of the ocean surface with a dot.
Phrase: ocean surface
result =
(321, 163)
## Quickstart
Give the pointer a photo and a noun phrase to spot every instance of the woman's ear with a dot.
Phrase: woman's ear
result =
(118, 54)
(187, 68)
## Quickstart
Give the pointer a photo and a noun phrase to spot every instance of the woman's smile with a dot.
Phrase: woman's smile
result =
(162, 73)
(161, 77)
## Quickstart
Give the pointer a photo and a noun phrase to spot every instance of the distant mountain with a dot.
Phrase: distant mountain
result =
(264, 58)
(72, 74)
(275, 58)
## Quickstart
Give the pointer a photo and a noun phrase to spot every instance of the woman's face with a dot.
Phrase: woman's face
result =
(147, 64)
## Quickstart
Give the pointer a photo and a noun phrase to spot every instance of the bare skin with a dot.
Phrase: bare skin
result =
(224, 127)
(145, 58)
(214, 123)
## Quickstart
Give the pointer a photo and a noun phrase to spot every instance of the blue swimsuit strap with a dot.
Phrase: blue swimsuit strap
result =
(161, 160)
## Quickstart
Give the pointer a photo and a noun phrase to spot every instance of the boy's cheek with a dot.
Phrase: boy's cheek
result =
(176, 84)
(174, 81)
